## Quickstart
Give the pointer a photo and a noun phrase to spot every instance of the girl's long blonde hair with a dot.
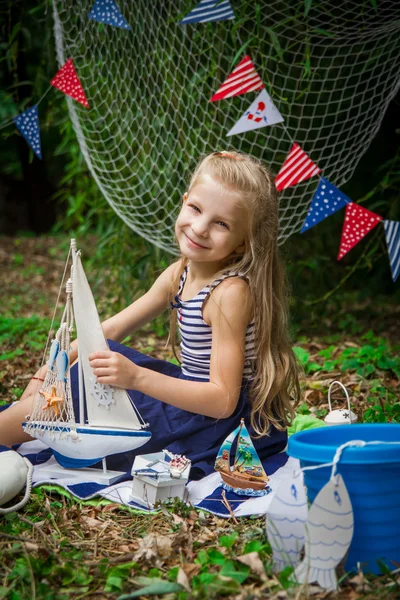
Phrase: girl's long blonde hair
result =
(275, 389)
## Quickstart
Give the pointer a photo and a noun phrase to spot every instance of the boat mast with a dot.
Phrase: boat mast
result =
(80, 368)
(237, 445)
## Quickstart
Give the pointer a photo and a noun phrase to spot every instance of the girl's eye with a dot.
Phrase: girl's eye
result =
(222, 224)
(194, 207)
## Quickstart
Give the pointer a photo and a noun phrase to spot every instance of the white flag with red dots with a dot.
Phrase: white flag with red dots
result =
(358, 221)
(244, 78)
(67, 81)
(261, 113)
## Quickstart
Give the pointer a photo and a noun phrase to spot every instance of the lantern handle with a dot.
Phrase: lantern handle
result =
(345, 391)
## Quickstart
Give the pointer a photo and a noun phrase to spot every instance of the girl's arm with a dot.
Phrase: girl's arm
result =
(143, 310)
(229, 311)
(149, 306)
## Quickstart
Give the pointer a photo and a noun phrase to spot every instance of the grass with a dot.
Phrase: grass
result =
(59, 548)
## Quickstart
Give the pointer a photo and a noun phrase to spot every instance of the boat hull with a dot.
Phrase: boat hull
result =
(89, 445)
(235, 481)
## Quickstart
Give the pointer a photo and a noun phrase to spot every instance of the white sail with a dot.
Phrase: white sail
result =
(115, 413)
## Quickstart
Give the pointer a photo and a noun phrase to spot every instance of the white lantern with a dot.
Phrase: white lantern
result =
(340, 416)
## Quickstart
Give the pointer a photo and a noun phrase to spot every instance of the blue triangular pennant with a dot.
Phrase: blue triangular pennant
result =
(27, 124)
(106, 11)
(392, 231)
(209, 10)
(326, 201)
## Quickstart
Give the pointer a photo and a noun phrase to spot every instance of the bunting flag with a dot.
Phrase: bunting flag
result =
(326, 201)
(244, 78)
(261, 112)
(27, 124)
(392, 231)
(68, 82)
(106, 11)
(209, 10)
(358, 221)
(297, 167)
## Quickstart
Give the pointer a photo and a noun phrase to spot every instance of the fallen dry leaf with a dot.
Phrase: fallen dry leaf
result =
(206, 535)
(183, 580)
(31, 546)
(111, 507)
(253, 561)
(177, 519)
(95, 523)
(153, 546)
(191, 569)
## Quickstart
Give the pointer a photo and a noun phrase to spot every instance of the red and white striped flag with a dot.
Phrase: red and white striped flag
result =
(244, 78)
(297, 167)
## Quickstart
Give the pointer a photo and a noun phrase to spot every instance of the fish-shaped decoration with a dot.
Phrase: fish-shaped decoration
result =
(329, 531)
(286, 518)
(62, 362)
(54, 348)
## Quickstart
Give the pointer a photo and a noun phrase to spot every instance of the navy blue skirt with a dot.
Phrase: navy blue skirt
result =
(182, 432)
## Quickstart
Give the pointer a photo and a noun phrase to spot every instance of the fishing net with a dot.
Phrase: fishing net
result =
(331, 74)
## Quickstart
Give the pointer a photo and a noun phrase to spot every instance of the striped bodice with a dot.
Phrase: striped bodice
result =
(196, 334)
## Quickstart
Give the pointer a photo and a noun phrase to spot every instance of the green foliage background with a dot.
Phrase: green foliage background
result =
(324, 290)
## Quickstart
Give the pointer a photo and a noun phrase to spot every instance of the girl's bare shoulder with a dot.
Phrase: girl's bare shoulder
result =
(233, 297)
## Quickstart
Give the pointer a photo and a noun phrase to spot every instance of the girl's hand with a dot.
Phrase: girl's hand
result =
(112, 368)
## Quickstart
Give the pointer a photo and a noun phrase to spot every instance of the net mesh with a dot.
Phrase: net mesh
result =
(53, 402)
(331, 74)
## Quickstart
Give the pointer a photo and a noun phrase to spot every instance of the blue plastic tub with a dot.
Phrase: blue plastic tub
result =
(372, 478)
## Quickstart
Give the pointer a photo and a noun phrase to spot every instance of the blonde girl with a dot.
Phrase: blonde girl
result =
(227, 297)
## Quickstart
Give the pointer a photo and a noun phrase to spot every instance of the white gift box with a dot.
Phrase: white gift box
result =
(152, 480)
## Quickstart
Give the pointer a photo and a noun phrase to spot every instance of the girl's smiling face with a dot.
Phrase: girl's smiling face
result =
(212, 223)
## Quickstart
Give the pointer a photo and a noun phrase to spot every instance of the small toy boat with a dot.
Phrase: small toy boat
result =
(247, 475)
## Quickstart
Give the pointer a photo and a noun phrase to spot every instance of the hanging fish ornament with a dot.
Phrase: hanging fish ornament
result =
(329, 531)
(54, 348)
(286, 519)
(62, 362)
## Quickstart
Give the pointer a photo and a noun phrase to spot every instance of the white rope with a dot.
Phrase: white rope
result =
(10, 509)
(331, 76)
(64, 412)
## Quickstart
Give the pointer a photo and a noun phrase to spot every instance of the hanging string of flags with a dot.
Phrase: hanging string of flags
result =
(262, 112)
(298, 166)
(27, 122)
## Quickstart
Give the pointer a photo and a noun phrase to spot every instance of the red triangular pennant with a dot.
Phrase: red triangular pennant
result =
(68, 82)
(358, 221)
(297, 167)
(244, 78)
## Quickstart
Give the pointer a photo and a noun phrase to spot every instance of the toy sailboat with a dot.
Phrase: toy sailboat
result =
(108, 422)
(247, 476)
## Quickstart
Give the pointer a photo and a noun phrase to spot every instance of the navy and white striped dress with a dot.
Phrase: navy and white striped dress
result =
(196, 334)
(196, 436)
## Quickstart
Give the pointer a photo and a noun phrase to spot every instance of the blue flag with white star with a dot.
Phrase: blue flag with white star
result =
(106, 11)
(209, 10)
(392, 231)
(326, 201)
(27, 124)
